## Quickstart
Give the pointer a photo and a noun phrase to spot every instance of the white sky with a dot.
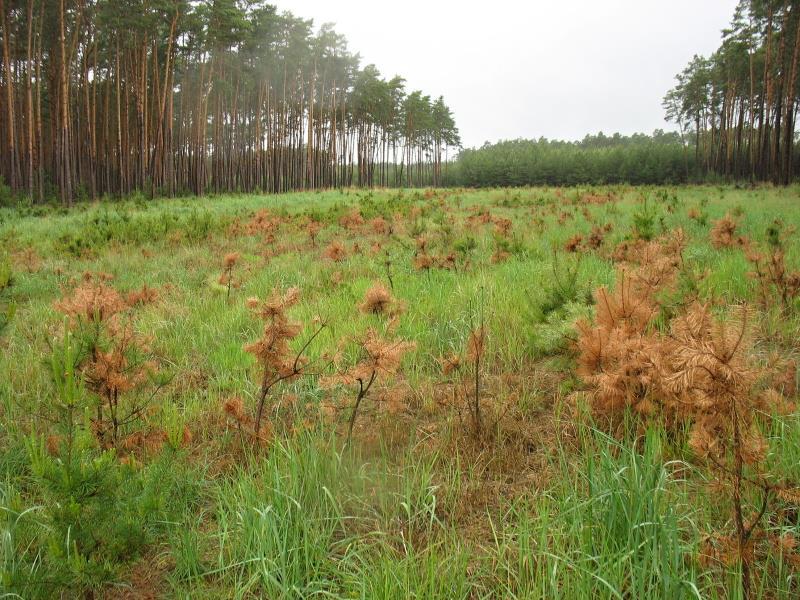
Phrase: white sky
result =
(517, 68)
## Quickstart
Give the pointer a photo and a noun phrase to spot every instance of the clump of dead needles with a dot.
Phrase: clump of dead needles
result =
(115, 360)
(723, 234)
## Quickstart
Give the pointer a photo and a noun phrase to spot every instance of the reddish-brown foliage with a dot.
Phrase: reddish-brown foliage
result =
(335, 251)
(723, 234)
(95, 302)
(263, 222)
(380, 226)
(226, 278)
(352, 220)
(379, 358)
(573, 244)
(312, 230)
(502, 226)
(775, 280)
(378, 300)
(274, 356)
(141, 297)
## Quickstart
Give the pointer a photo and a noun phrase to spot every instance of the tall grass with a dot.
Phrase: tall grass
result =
(306, 519)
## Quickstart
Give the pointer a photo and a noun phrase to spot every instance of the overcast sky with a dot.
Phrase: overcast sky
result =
(530, 68)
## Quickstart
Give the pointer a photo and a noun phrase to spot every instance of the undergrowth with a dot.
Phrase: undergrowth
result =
(544, 393)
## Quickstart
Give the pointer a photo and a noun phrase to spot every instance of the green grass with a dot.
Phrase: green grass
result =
(551, 508)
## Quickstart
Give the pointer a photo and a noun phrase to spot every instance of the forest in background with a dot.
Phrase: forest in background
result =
(738, 106)
(735, 115)
(171, 97)
(638, 159)
(166, 97)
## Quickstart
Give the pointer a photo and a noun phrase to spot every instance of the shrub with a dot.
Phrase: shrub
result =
(618, 353)
(226, 278)
(645, 220)
(96, 511)
(775, 281)
(723, 234)
(116, 363)
(335, 251)
(125, 227)
(709, 368)
(378, 300)
(701, 372)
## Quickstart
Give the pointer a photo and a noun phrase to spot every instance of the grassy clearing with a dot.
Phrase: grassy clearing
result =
(545, 505)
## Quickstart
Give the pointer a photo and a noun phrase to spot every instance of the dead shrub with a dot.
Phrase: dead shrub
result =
(596, 238)
(227, 279)
(574, 243)
(710, 370)
(335, 251)
(500, 256)
(502, 226)
(380, 226)
(774, 279)
(312, 230)
(702, 372)
(352, 220)
(115, 362)
(422, 260)
(92, 302)
(263, 222)
(378, 300)
(141, 297)
(617, 357)
(723, 234)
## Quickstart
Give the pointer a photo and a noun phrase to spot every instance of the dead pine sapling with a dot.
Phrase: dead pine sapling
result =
(227, 279)
(313, 229)
(377, 358)
(379, 301)
(387, 263)
(470, 364)
(712, 372)
(119, 370)
(475, 355)
(115, 362)
(92, 309)
(476, 347)
(278, 362)
(776, 281)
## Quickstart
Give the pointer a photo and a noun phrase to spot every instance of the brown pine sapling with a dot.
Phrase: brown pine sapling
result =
(273, 353)
(227, 279)
(710, 370)
(116, 362)
(377, 357)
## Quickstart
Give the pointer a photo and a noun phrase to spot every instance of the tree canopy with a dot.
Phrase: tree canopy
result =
(597, 159)
(108, 97)
(738, 106)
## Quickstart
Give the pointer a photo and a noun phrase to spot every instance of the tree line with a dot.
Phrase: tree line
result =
(735, 113)
(166, 97)
(599, 159)
(738, 107)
